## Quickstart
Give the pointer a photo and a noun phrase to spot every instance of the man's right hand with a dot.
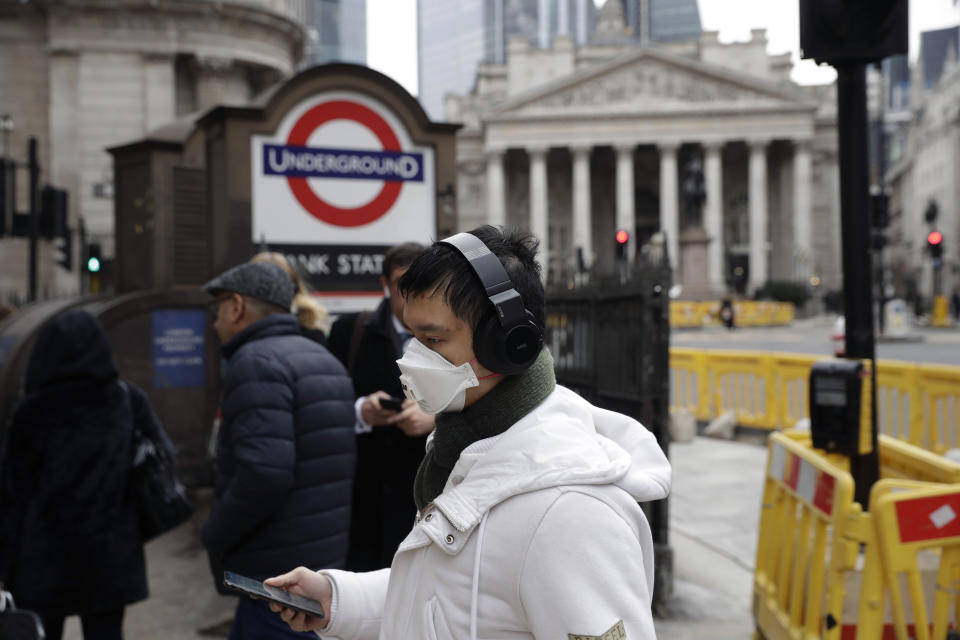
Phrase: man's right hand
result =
(373, 413)
(307, 583)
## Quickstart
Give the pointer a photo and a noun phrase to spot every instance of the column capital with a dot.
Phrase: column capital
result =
(713, 145)
(624, 147)
(580, 149)
(668, 147)
(493, 153)
(802, 144)
(537, 150)
(758, 144)
(212, 64)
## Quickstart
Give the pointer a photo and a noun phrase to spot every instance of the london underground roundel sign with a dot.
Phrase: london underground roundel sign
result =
(344, 161)
(367, 163)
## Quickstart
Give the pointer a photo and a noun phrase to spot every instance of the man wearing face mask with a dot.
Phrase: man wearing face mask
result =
(390, 444)
(528, 523)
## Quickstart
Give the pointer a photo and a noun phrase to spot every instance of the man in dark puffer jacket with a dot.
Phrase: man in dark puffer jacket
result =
(285, 450)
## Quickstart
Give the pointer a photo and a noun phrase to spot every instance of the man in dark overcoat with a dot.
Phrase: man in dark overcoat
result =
(390, 444)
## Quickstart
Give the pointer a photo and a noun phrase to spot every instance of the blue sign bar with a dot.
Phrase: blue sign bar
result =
(310, 162)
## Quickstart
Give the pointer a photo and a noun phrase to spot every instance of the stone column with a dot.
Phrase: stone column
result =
(538, 203)
(563, 18)
(758, 213)
(582, 32)
(496, 195)
(217, 81)
(626, 216)
(499, 38)
(158, 100)
(582, 224)
(543, 24)
(713, 174)
(669, 201)
(65, 140)
(802, 210)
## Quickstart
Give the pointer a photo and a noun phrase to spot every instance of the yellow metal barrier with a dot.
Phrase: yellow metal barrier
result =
(685, 314)
(807, 507)
(689, 386)
(938, 390)
(916, 403)
(810, 579)
(911, 519)
(903, 460)
(742, 383)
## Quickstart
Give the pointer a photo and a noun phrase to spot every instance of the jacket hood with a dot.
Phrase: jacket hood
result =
(70, 348)
(564, 441)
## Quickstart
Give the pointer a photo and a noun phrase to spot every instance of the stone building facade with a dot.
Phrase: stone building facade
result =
(927, 169)
(576, 142)
(84, 75)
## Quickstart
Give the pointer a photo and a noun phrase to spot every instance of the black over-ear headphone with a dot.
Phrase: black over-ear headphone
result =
(507, 340)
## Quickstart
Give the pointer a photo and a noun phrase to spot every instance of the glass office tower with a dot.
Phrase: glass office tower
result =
(668, 19)
(454, 36)
(336, 31)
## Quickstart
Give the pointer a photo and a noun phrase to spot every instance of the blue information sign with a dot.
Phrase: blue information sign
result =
(178, 348)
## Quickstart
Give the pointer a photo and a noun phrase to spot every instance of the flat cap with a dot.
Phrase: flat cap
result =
(261, 280)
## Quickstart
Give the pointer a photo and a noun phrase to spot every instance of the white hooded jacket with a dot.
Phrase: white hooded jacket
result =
(537, 534)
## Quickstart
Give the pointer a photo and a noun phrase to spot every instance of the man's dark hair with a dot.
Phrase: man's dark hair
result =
(400, 256)
(444, 270)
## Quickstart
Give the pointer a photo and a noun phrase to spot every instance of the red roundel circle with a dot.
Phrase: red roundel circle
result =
(307, 197)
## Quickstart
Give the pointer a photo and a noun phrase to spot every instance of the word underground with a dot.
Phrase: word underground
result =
(304, 162)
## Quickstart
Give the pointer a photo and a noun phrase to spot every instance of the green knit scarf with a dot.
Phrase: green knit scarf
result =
(509, 401)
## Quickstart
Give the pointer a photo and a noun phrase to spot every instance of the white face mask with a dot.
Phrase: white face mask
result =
(432, 381)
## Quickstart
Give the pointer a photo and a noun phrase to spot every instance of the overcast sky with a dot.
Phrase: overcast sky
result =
(392, 31)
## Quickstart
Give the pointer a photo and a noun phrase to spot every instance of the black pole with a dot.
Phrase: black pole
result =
(34, 169)
(881, 150)
(4, 204)
(82, 255)
(855, 232)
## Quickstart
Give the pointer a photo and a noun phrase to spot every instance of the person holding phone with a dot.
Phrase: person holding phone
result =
(391, 430)
(529, 524)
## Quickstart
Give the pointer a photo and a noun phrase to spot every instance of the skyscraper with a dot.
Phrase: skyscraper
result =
(336, 31)
(454, 36)
(662, 20)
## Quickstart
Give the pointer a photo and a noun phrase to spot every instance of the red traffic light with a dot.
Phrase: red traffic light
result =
(623, 236)
(934, 238)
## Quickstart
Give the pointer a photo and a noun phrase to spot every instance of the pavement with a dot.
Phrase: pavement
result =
(714, 512)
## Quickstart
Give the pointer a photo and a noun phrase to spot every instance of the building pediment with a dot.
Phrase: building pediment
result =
(650, 81)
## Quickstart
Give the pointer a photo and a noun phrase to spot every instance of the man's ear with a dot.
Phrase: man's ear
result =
(238, 307)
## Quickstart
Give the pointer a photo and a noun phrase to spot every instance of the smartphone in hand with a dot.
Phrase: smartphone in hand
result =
(392, 404)
(282, 597)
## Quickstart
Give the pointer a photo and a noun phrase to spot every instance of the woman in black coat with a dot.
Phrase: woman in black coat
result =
(70, 542)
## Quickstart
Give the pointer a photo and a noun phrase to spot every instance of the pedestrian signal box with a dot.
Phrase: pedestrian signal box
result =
(840, 407)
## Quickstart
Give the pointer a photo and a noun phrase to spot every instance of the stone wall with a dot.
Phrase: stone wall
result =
(91, 74)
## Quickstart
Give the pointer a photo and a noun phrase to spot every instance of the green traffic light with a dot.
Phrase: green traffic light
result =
(93, 265)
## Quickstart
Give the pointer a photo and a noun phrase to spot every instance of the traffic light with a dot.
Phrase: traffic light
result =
(932, 211)
(878, 240)
(935, 244)
(94, 259)
(880, 210)
(623, 238)
(852, 30)
(63, 249)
